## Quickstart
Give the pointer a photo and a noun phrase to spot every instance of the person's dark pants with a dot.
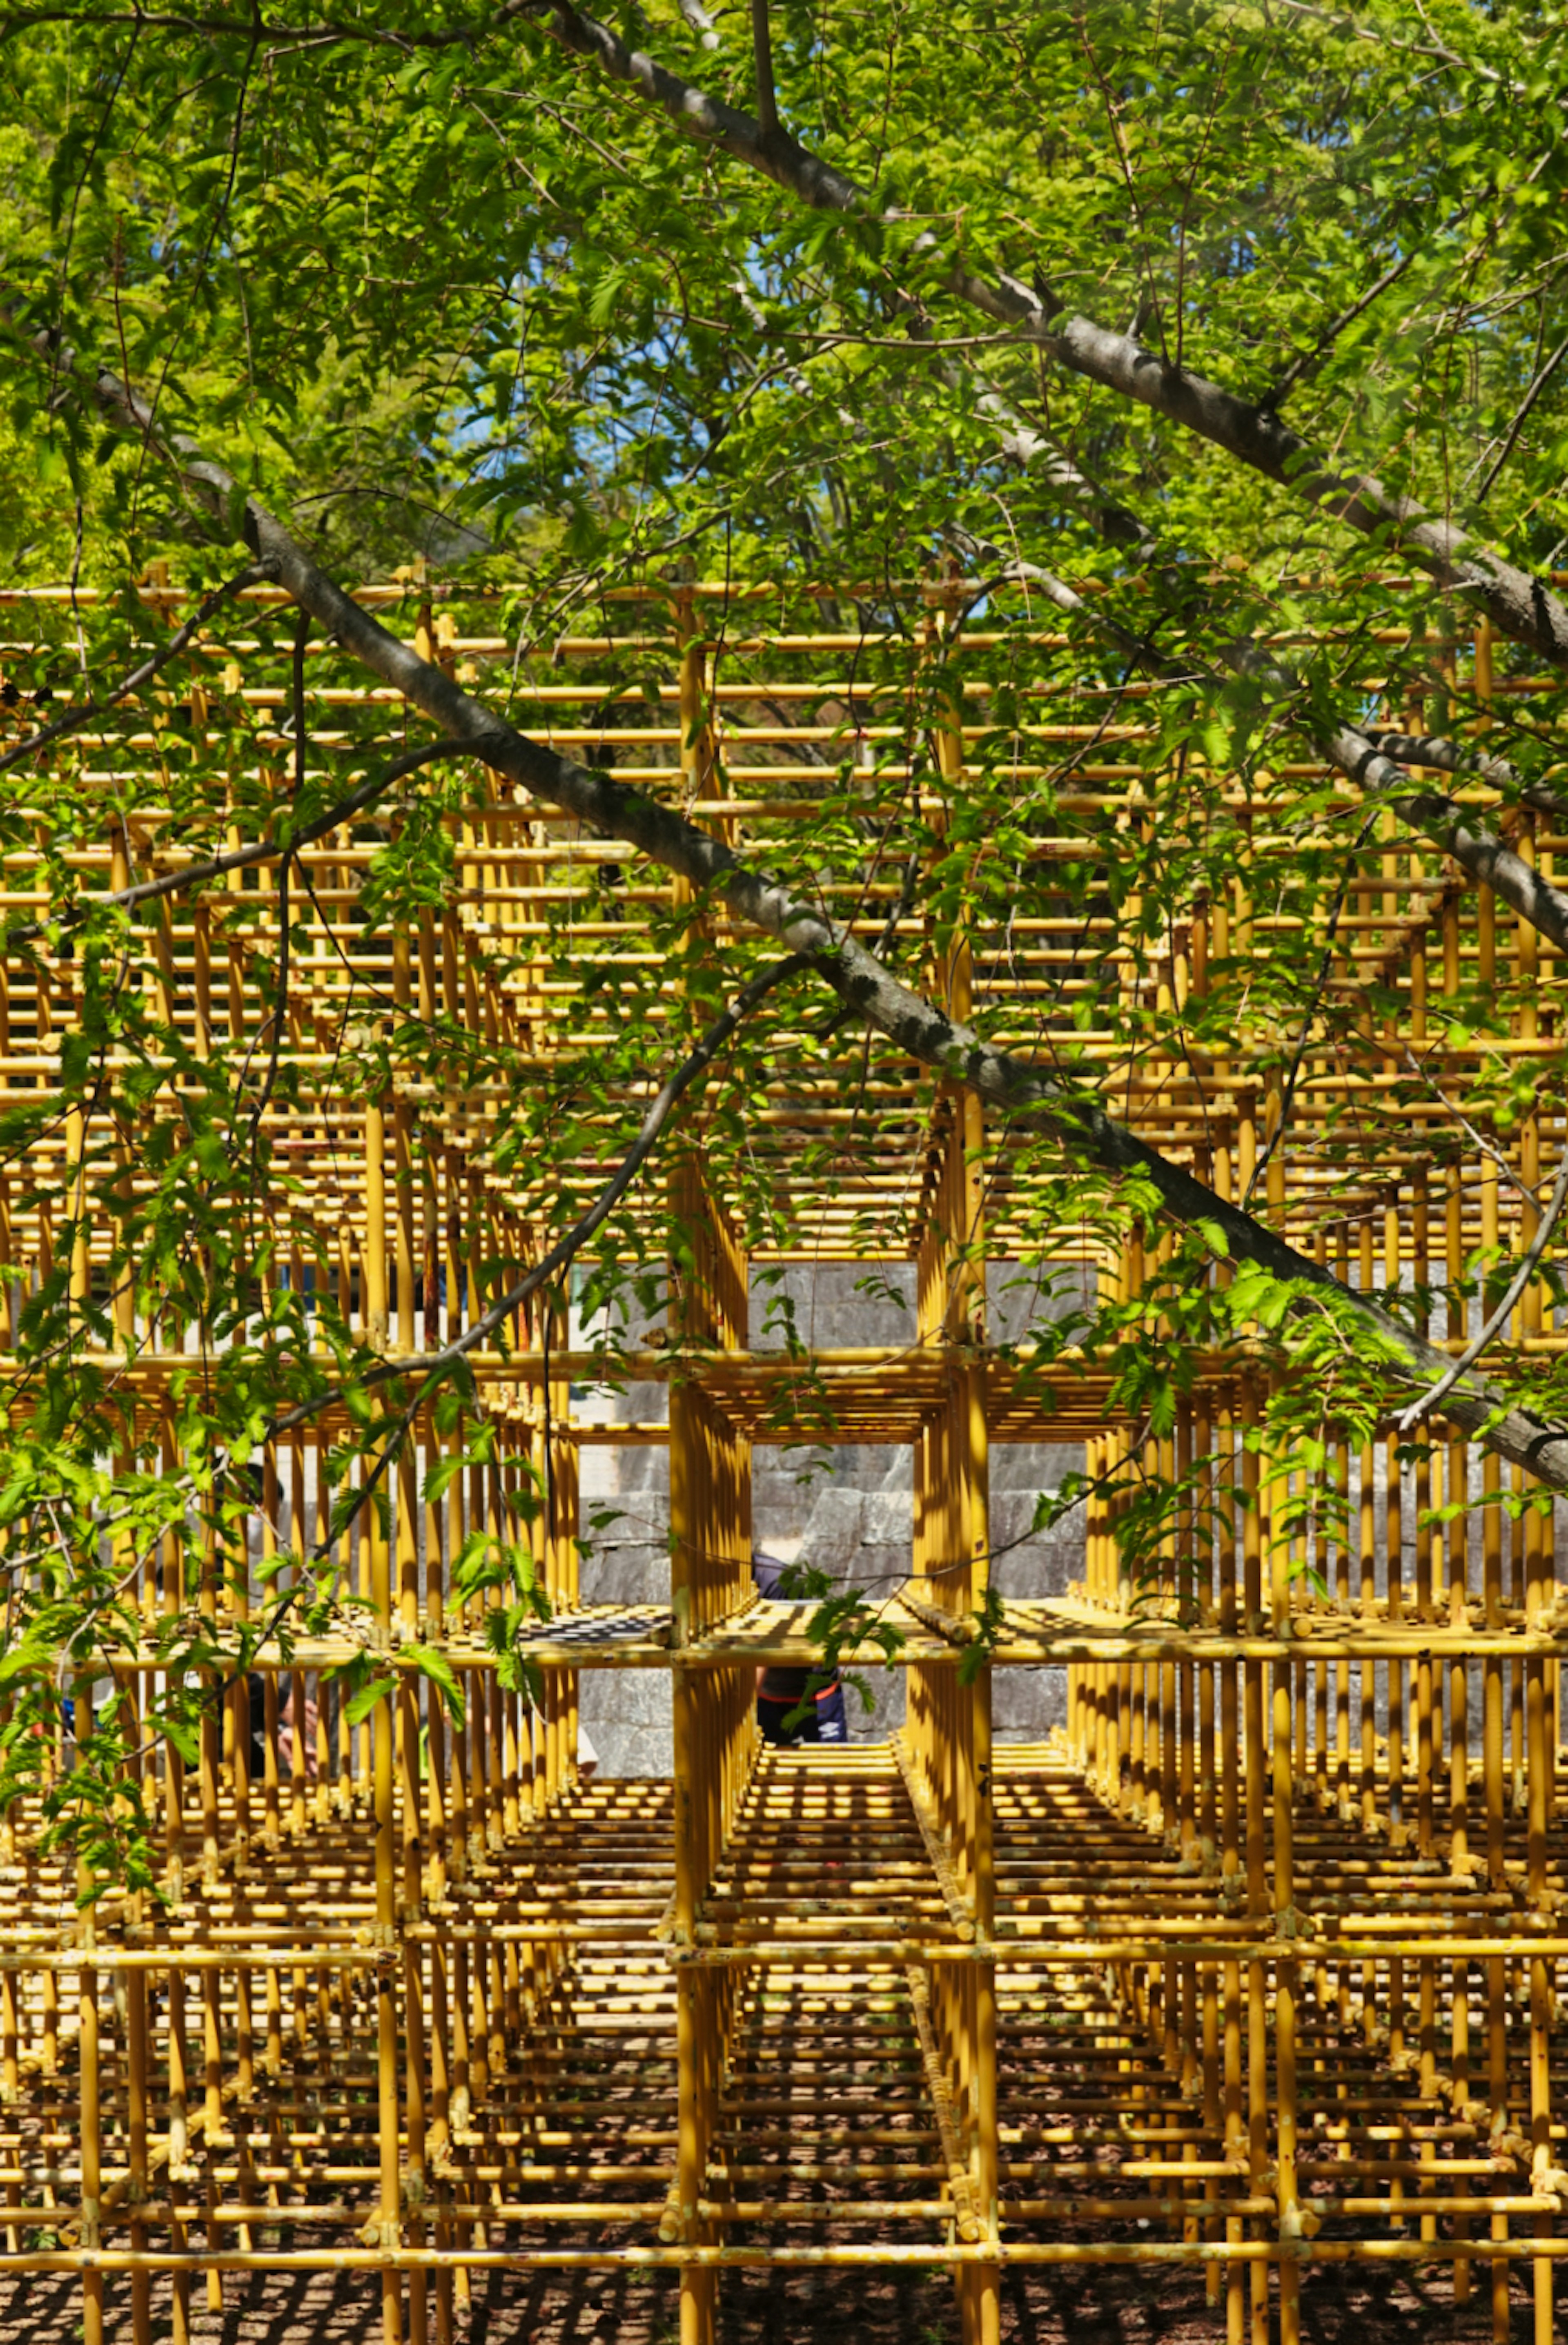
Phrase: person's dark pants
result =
(826, 1719)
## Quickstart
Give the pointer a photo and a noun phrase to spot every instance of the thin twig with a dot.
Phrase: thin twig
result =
(265, 850)
(432, 1365)
(1429, 1400)
(281, 998)
(1525, 404)
(1468, 1130)
(255, 574)
(1288, 1095)
(1331, 334)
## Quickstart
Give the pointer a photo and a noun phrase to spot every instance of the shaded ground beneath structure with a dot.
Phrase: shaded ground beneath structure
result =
(1077, 2307)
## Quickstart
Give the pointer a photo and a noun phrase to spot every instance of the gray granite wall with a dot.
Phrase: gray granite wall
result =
(847, 1509)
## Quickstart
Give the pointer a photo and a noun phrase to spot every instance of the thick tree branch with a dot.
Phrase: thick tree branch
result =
(1488, 859)
(1024, 1092)
(1443, 756)
(1520, 605)
(701, 23)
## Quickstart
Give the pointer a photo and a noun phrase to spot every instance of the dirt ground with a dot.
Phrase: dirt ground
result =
(862, 2307)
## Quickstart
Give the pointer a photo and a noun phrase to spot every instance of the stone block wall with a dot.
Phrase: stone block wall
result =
(848, 1509)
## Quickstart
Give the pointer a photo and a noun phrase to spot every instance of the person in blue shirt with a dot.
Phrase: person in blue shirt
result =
(816, 1695)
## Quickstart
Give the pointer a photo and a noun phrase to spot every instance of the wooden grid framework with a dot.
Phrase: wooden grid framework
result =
(1254, 1969)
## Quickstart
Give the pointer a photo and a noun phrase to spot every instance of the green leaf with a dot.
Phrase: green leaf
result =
(433, 1665)
(359, 1706)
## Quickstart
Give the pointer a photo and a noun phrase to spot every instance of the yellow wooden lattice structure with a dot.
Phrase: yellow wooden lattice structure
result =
(1253, 1968)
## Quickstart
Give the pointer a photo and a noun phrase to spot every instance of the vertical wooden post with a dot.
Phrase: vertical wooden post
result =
(697, 2052)
(373, 1300)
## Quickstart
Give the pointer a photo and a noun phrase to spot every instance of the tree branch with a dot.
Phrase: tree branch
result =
(1444, 756)
(1520, 415)
(1438, 1391)
(1487, 858)
(1306, 362)
(264, 850)
(1518, 604)
(254, 574)
(434, 1364)
(762, 51)
(701, 23)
